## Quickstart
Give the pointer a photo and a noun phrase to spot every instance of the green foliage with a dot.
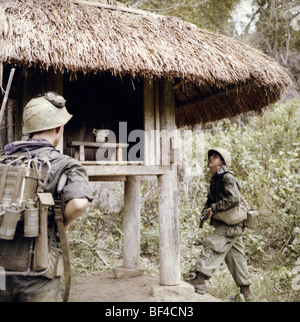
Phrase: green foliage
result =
(213, 15)
(95, 241)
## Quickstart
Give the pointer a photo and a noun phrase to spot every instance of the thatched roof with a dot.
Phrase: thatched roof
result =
(215, 76)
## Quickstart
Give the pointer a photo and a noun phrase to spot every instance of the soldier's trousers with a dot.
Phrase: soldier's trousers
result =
(31, 289)
(225, 243)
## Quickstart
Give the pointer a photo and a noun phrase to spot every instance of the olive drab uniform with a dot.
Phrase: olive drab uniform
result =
(45, 287)
(225, 242)
(44, 112)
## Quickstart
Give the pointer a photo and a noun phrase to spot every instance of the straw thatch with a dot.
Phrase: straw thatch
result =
(215, 76)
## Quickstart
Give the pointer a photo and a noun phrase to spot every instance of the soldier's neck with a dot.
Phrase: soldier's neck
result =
(45, 136)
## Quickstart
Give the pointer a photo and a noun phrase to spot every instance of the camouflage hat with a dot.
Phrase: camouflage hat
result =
(224, 154)
(44, 113)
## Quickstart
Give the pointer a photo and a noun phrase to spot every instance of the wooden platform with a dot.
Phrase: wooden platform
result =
(116, 169)
(113, 172)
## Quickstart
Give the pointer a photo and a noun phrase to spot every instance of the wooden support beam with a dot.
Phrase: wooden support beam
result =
(151, 122)
(157, 121)
(131, 223)
(121, 170)
(169, 251)
(169, 244)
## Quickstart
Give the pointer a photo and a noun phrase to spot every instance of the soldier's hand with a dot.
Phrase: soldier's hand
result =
(207, 213)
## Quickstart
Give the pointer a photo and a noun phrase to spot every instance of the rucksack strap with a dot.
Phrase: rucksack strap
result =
(3, 180)
(59, 219)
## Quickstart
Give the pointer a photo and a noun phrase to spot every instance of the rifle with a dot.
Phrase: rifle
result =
(204, 217)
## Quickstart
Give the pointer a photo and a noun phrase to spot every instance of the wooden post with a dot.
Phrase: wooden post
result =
(55, 83)
(169, 250)
(131, 223)
(151, 122)
(149, 125)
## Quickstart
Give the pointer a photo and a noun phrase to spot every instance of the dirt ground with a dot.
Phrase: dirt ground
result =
(101, 287)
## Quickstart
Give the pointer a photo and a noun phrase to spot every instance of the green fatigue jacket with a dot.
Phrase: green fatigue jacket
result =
(224, 192)
(225, 242)
(77, 186)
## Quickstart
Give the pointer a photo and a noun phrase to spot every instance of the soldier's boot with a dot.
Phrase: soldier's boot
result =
(245, 290)
(199, 283)
(244, 295)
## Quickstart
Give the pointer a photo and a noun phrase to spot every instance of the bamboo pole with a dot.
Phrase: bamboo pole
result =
(115, 7)
(11, 76)
(10, 120)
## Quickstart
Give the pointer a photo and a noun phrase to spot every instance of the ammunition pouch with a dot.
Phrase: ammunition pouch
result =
(56, 268)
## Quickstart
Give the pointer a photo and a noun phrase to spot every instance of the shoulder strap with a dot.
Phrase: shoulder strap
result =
(3, 180)
(59, 219)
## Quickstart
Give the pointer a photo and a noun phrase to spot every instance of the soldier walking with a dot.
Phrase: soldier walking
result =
(225, 242)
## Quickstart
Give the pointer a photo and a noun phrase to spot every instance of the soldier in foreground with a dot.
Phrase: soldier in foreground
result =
(225, 243)
(44, 118)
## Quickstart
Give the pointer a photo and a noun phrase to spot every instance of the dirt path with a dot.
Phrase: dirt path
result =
(101, 287)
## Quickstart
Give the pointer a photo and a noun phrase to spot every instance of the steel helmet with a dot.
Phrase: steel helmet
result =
(224, 154)
(44, 113)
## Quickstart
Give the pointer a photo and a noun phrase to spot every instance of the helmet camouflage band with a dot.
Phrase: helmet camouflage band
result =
(44, 113)
(224, 154)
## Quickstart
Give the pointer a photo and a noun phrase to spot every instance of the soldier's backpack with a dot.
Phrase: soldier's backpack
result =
(24, 205)
(24, 216)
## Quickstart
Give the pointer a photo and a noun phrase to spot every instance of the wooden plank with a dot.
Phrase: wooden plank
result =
(95, 145)
(114, 149)
(112, 163)
(107, 178)
(129, 170)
